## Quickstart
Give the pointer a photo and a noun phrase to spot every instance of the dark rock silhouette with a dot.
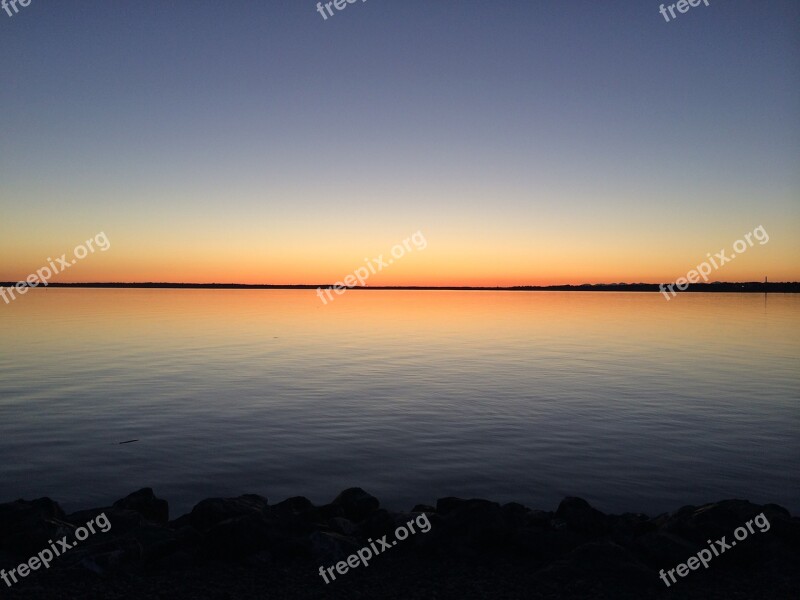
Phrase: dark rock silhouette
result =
(146, 504)
(246, 548)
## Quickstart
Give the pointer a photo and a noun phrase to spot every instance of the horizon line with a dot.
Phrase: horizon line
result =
(715, 286)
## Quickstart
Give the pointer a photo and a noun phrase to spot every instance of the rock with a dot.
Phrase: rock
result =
(21, 513)
(342, 526)
(297, 505)
(328, 548)
(545, 544)
(515, 514)
(126, 555)
(379, 523)
(603, 562)
(539, 518)
(146, 545)
(26, 527)
(627, 527)
(121, 520)
(238, 536)
(660, 549)
(357, 504)
(298, 509)
(776, 547)
(473, 525)
(215, 510)
(448, 504)
(579, 516)
(712, 521)
(473, 548)
(330, 511)
(146, 504)
(254, 532)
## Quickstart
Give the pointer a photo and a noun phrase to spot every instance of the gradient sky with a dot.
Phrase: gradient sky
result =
(547, 142)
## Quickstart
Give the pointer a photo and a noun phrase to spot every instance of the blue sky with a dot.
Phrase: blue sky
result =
(263, 141)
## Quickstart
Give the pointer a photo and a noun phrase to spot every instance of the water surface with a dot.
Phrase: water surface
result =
(628, 400)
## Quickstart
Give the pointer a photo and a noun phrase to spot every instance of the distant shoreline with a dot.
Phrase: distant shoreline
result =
(725, 287)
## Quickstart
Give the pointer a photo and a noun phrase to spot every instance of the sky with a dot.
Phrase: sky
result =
(552, 142)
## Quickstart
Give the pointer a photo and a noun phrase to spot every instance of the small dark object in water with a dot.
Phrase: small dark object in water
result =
(128, 442)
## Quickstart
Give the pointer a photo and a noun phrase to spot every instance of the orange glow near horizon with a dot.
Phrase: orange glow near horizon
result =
(443, 260)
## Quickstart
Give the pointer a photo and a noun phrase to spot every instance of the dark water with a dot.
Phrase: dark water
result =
(628, 400)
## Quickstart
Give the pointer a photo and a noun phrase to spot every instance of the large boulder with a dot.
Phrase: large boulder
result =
(545, 544)
(239, 536)
(770, 544)
(211, 511)
(603, 563)
(379, 523)
(712, 521)
(660, 549)
(356, 504)
(327, 548)
(26, 527)
(473, 526)
(146, 504)
(581, 517)
(297, 509)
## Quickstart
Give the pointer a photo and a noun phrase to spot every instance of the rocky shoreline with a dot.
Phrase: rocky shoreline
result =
(246, 547)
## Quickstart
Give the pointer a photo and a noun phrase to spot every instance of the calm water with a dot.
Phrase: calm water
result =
(628, 400)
